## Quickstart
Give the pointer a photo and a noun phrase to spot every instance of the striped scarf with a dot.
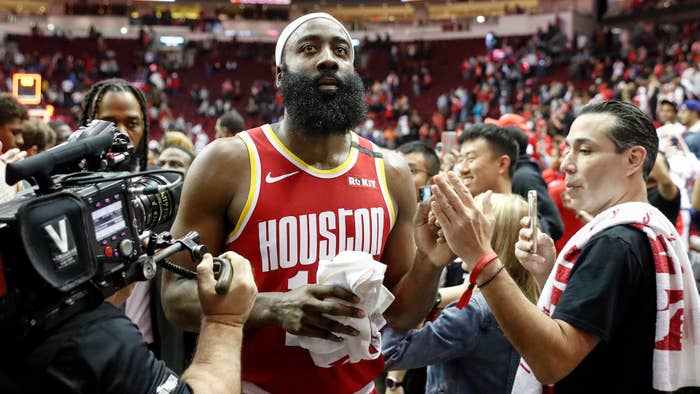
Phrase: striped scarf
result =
(677, 347)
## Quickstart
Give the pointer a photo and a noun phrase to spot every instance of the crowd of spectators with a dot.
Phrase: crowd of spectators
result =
(544, 77)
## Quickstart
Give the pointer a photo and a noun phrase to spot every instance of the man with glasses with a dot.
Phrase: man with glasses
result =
(422, 161)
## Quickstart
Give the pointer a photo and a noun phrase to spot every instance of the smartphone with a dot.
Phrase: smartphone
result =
(532, 213)
(424, 193)
(448, 141)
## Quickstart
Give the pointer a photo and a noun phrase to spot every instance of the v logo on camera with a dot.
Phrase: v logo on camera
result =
(60, 240)
(61, 244)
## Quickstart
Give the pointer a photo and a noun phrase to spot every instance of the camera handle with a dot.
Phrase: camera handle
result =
(223, 270)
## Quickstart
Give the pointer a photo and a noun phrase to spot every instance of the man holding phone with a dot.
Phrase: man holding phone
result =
(628, 258)
(423, 163)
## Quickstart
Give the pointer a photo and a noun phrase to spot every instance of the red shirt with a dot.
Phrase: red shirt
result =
(295, 216)
(571, 222)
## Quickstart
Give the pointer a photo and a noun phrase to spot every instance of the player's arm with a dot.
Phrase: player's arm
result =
(210, 187)
(412, 274)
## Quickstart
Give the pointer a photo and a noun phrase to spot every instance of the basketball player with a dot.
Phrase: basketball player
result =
(290, 194)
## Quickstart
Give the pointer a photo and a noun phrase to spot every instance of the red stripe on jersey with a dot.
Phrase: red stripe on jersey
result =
(301, 216)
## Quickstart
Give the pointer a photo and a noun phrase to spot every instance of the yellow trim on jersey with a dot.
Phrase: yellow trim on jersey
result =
(277, 143)
(385, 188)
(253, 190)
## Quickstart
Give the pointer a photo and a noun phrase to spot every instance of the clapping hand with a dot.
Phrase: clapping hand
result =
(429, 236)
(467, 227)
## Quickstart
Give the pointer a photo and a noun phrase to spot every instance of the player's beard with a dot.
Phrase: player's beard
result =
(314, 112)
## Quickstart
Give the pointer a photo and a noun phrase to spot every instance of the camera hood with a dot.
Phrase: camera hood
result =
(52, 228)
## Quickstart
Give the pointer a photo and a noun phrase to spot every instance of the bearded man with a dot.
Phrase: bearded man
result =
(291, 194)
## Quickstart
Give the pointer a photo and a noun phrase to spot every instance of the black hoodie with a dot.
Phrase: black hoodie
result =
(527, 176)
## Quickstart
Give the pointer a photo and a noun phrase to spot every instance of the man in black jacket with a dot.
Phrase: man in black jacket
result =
(102, 351)
(527, 176)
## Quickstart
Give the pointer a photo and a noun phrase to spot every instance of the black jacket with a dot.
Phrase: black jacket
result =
(97, 351)
(528, 175)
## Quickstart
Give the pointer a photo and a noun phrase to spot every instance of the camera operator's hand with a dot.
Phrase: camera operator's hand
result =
(233, 307)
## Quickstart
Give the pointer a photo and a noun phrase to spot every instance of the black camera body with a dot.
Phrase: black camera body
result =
(75, 239)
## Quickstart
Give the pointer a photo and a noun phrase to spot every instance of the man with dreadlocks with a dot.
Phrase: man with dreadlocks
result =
(117, 101)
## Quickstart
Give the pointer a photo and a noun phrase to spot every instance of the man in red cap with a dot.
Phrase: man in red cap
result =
(528, 175)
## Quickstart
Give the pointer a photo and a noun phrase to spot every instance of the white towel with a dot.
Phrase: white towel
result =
(361, 274)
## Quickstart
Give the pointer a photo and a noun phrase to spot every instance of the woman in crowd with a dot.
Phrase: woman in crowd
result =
(464, 349)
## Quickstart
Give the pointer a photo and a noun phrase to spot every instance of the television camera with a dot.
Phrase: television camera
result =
(75, 237)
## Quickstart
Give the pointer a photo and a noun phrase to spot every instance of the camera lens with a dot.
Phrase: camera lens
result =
(154, 209)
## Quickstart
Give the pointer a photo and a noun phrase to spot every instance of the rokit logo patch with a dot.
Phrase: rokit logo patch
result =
(61, 243)
(362, 182)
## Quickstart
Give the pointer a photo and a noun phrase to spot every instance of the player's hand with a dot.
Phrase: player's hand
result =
(541, 263)
(301, 311)
(233, 307)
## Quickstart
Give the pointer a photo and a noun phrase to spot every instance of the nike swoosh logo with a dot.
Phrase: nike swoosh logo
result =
(272, 179)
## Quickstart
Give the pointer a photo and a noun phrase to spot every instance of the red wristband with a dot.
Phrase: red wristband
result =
(483, 262)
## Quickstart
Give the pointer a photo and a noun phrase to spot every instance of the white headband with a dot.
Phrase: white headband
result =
(291, 28)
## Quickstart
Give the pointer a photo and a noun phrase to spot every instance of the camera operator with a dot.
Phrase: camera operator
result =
(102, 351)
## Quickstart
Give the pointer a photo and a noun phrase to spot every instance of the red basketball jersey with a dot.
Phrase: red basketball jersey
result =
(295, 216)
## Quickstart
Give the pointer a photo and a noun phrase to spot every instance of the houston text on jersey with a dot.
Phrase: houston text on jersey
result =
(308, 238)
